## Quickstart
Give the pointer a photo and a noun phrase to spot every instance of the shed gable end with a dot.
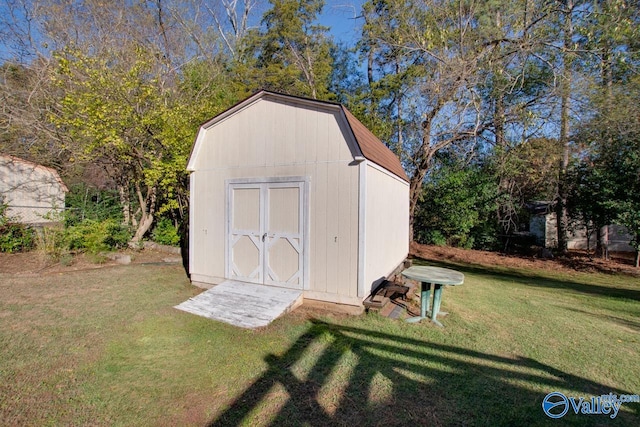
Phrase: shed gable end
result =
(271, 132)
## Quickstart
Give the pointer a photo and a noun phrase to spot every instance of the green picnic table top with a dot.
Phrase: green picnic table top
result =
(437, 275)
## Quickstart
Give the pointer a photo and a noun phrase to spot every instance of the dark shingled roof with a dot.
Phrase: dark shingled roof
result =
(373, 149)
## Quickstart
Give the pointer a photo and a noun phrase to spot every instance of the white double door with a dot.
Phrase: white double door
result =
(266, 233)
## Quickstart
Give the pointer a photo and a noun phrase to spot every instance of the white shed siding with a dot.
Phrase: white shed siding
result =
(34, 193)
(277, 139)
(616, 237)
(386, 228)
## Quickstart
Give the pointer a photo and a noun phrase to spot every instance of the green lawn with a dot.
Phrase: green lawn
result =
(105, 347)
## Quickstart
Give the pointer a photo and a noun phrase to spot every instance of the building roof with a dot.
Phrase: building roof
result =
(369, 145)
(17, 160)
(373, 149)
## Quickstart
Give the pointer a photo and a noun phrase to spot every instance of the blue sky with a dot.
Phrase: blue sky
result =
(340, 16)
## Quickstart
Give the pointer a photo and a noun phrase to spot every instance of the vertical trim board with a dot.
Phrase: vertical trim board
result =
(192, 231)
(362, 192)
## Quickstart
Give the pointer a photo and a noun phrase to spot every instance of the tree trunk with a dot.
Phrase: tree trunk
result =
(148, 208)
(415, 183)
(504, 209)
(123, 193)
(143, 226)
(598, 251)
(602, 241)
(638, 258)
(565, 94)
(370, 67)
(399, 104)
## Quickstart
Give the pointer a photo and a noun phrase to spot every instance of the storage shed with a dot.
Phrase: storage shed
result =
(296, 193)
(544, 227)
(35, 194)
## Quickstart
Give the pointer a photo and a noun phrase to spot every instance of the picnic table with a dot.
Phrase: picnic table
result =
(438, 277)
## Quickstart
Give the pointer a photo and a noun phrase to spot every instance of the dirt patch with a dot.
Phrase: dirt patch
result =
(36, 263)
(573, 261)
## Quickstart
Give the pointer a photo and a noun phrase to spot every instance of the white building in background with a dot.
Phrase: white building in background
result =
(35, 194)
(544, 228)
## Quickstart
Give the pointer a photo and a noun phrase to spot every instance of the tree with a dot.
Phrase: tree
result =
(588, 200)
(236, 15)
(566, 73)
(456, 204)
(292, 54)
(427, 62)
(607, 36)
(122, 90)
(111, 114)
(515, 87)
(525, 172)
(26, 96)
(612, 168)
(596, 41)
(620, 128)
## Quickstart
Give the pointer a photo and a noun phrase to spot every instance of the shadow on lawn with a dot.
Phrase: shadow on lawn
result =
(540, 281)
(629, 324)
(427, 384)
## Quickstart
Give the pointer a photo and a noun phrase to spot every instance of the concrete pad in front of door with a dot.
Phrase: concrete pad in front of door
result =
(246, 305)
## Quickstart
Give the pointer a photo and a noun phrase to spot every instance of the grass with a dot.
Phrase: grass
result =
(105, 347)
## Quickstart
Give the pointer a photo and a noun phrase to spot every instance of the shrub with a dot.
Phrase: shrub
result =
(461, 241)
(85, 202)
(165, 233)
(456, 198)
(96, 236)
(52, 242)
(435, 237)
(89, 236)
(15, 237)
(118, 235)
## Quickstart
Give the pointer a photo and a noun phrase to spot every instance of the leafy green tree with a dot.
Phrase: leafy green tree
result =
(117, 114)
(121, 88)
(515, 85)
(292, 53)
(608, 34)
(596, 43)
(589, 199)
(611, 170)
(457, 203)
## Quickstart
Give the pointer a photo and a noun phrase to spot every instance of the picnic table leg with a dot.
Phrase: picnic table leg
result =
(437, 299)
(425, 300)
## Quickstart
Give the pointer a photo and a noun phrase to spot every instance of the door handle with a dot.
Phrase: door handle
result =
(264, 236)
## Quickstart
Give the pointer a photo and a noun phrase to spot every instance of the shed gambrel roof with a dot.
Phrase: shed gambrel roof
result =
(8, 159)
(373, 149)
(369, 145)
